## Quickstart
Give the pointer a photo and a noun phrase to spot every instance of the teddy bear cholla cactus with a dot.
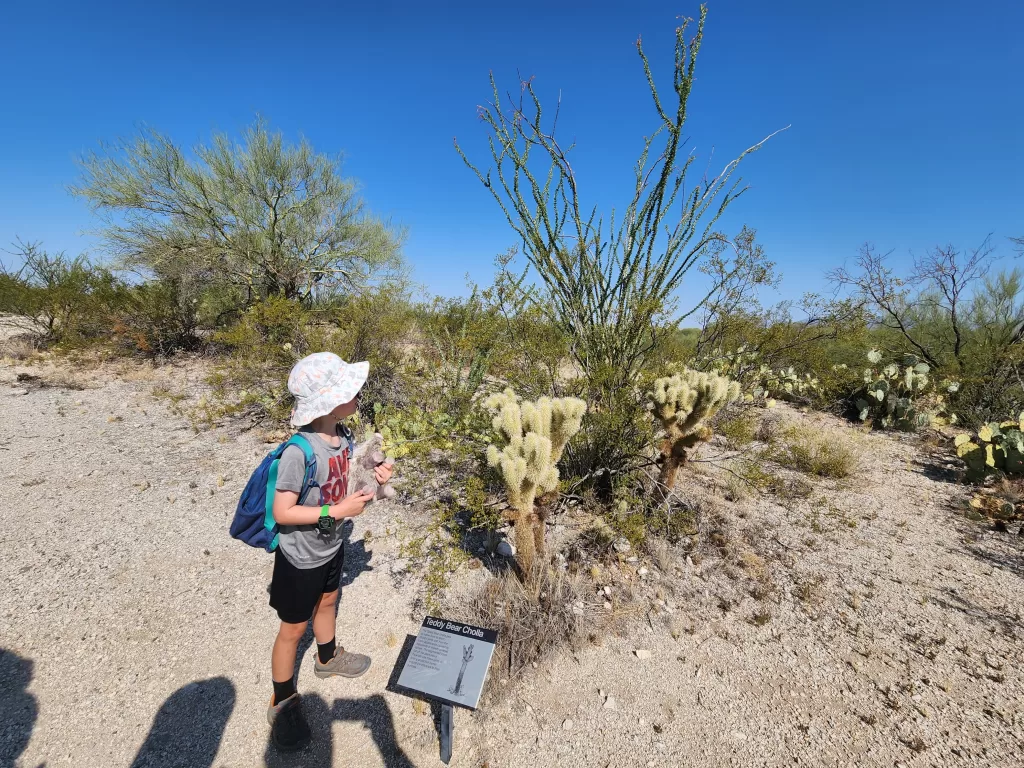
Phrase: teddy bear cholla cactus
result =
(683, 403)
(534, 435)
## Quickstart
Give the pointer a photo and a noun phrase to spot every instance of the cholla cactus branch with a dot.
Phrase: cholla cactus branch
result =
(533, 435)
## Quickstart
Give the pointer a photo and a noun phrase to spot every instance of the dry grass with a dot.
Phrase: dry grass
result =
(19, 347)
(555, 610)
(817, 451)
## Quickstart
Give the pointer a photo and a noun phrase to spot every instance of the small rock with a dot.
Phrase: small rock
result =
(739, 736)
(622, 545)
(642, 572)
(607, 590)
(220, 481)
(567, 724)
(610, 703)
(607, 605)
(19, 392)
(642, 654)
(505, 548)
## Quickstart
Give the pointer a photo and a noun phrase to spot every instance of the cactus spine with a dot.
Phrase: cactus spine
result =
(682, 403)
(533, 436)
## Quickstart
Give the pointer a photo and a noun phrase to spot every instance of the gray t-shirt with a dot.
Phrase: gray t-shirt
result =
(306, 546)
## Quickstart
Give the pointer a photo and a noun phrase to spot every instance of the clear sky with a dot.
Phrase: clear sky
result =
(907, 117)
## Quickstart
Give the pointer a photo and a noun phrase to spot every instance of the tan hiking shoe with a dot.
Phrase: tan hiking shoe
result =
(344, 664)
(288, 728)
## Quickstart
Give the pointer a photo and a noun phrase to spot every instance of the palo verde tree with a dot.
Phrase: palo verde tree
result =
(609, 282)
(257, 219)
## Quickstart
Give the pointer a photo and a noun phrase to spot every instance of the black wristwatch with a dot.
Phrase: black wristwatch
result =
(325, 523)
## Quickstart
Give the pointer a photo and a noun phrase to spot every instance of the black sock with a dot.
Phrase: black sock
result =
(326, 650)
(283, 690)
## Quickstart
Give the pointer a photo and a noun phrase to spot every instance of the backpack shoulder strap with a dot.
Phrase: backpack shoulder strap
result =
(309, 478)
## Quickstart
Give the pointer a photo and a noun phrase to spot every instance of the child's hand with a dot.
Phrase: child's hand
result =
(351, 506)
(383, 472)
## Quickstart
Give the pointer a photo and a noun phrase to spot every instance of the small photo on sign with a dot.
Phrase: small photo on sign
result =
(449, 661)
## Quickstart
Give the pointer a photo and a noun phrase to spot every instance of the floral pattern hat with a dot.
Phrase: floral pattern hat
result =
(321, 382)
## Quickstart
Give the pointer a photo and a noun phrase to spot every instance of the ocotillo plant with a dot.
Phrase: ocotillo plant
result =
(683, 403)
(534, 435)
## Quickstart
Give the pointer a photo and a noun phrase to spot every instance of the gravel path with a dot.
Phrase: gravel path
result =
(136, 632)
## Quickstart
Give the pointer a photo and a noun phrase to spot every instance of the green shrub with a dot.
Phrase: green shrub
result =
(737, 425)
(62, 301)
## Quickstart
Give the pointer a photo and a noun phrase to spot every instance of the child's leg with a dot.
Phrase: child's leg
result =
(286, 647)
(324, 617)
(331, 660)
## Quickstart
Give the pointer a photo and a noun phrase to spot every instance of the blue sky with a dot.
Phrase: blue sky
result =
(906, 116)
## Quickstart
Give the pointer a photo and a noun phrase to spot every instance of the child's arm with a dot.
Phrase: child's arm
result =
(288, 512)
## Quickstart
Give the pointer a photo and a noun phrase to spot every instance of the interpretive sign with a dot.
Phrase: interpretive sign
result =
(449, 661)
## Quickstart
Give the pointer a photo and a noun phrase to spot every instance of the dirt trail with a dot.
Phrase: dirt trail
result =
(131, 616)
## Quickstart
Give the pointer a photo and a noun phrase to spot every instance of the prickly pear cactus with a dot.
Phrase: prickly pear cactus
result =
(889, 397)
(683, 403)
(784, 384)
(531, 439)
(998, 446)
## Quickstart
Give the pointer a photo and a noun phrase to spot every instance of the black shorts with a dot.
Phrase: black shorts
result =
(294, 592)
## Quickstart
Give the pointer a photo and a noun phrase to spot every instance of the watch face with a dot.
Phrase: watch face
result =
(325, 523)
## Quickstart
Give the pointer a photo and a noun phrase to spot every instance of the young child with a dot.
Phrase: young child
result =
(309, 556)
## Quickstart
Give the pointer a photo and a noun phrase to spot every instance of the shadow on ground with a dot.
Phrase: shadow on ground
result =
(374, 714)
(187, 731)
(18, 708)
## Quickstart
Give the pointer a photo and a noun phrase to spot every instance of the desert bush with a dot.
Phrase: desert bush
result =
(375, 325)
(816, 451)
(262, 347)
(271, 336)
(737, 425)
(463, 335)
(158, 320)
(529, 441)
(61, 300)
(414, 431)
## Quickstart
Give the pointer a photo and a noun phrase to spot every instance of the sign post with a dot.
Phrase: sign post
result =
(449, 662)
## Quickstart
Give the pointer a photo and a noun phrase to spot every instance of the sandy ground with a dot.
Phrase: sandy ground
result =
(136, 632)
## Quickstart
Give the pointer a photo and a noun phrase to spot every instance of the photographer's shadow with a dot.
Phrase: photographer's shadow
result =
(373, 712)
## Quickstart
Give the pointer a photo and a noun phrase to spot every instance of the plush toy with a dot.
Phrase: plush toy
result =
(367, 456)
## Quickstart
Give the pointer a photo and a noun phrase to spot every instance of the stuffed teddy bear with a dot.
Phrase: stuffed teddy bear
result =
(367, 456)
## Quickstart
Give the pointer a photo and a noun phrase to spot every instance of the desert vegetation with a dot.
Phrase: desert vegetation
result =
(243, 257)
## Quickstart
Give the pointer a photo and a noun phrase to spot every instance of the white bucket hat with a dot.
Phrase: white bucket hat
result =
(321, 382)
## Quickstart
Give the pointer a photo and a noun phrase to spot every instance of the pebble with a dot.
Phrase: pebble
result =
(505, 548)
(642, 572)
(567, 724)
(19, 392)
(610, 703)
(642, 654)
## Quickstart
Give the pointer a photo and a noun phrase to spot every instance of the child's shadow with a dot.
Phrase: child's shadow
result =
(372, 712)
